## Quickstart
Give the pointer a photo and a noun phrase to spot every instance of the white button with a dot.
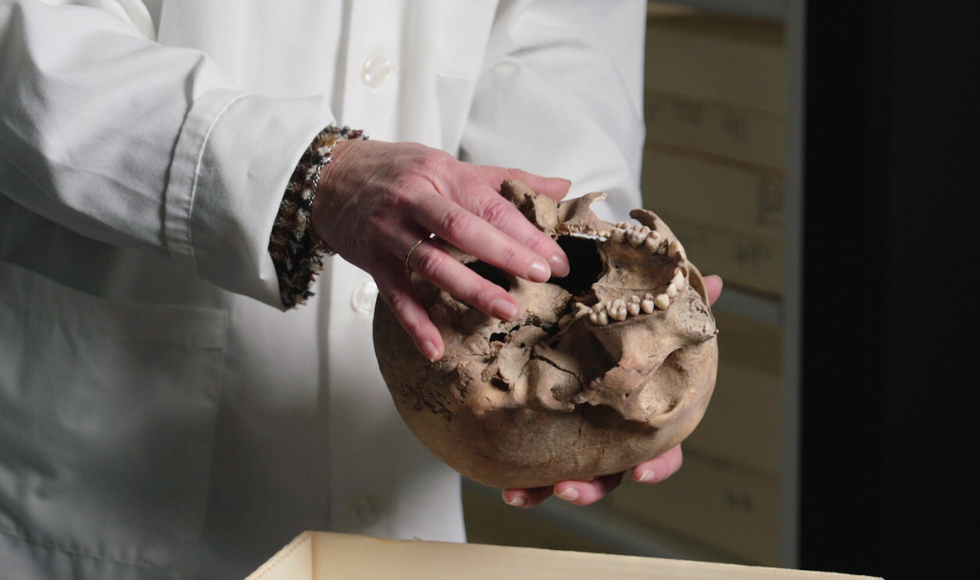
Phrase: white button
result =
(365, 511)
(375, 71)
(363, 298)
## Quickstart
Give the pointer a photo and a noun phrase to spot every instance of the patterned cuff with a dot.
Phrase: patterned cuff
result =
(296, 250)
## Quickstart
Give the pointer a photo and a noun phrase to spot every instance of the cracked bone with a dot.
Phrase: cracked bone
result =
(551, 396)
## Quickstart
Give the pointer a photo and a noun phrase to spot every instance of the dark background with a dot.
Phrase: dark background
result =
(891, 187)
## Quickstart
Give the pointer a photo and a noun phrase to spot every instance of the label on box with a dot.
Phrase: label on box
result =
(718, 504)
(715, 129)
(744, 260)
(722, 195)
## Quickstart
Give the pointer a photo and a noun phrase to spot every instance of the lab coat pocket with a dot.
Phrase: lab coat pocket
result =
(107, 417)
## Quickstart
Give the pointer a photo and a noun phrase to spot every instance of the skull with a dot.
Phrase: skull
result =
(604, 369)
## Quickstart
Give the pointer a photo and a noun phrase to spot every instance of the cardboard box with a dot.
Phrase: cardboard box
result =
(328, 556)
(743, 423)
(715, 129)
(728, 196)
(744, 260)
(716, 503)
(736, 61)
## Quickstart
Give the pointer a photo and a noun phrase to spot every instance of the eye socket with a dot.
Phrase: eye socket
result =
(586, 265)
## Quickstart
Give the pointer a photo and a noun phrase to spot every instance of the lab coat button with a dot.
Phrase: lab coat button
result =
(364, 296)
(375, 71)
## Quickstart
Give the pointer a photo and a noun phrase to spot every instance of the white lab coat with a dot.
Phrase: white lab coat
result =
(160, 416)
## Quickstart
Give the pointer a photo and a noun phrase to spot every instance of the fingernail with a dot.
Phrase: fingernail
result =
(647, 476)
(570, 494)
(505, 309)
(539, 272)
(516, 501)
(430, 351)
(559, 265)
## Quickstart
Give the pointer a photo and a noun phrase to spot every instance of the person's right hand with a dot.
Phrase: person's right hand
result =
(377, 199)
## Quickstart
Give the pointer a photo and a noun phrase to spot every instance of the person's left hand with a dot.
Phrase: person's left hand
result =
(586, 492)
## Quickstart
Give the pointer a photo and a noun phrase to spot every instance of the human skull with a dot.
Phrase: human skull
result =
(604, 369)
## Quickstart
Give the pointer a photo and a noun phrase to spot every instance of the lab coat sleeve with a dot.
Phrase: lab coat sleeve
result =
(561, 95)
(131, 143)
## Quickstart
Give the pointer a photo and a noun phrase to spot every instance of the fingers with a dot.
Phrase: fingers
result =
(526, 498)
(713, 285)
(396, 289)
(659, 468)
(480, 222)
(435, 265)
(583, 493)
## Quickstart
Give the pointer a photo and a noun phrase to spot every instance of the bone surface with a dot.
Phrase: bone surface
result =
(557, 395)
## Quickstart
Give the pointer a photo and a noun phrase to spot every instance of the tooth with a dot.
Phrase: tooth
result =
(653, 240)
(633, 307)
(662, 301)
(599, 307)
(603, 319)
(679, 281)
(671, 291)
(634, 299)
(618, 311)
(618, 234)
(673, 248)
(647, 303)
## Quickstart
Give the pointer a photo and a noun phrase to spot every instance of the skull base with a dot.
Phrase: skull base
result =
(603, 370)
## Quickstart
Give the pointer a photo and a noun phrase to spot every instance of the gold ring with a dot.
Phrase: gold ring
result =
(408, 254)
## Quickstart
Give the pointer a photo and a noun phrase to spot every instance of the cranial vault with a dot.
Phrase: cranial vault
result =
(604, 369)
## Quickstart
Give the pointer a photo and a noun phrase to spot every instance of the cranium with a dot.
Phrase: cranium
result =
(604, 369)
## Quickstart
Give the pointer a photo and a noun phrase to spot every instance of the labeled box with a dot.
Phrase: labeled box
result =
(723, 195)
(719, 504)
(714, 130)
(718, 58)
(743, 260)
(744, 422)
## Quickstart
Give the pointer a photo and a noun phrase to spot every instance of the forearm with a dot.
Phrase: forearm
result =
(131, 143)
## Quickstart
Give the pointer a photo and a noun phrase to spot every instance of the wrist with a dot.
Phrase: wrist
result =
(297, 251)
(331, 173)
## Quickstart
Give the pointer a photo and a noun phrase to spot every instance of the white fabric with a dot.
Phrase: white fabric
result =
(160, 416)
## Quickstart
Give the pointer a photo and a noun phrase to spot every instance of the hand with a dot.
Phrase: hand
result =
(586, 492)
(377, 199)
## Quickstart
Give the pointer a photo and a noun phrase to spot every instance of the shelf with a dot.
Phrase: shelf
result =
(771, 9)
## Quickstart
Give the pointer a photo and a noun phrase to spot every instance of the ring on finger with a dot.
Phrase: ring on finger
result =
(408, 254)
